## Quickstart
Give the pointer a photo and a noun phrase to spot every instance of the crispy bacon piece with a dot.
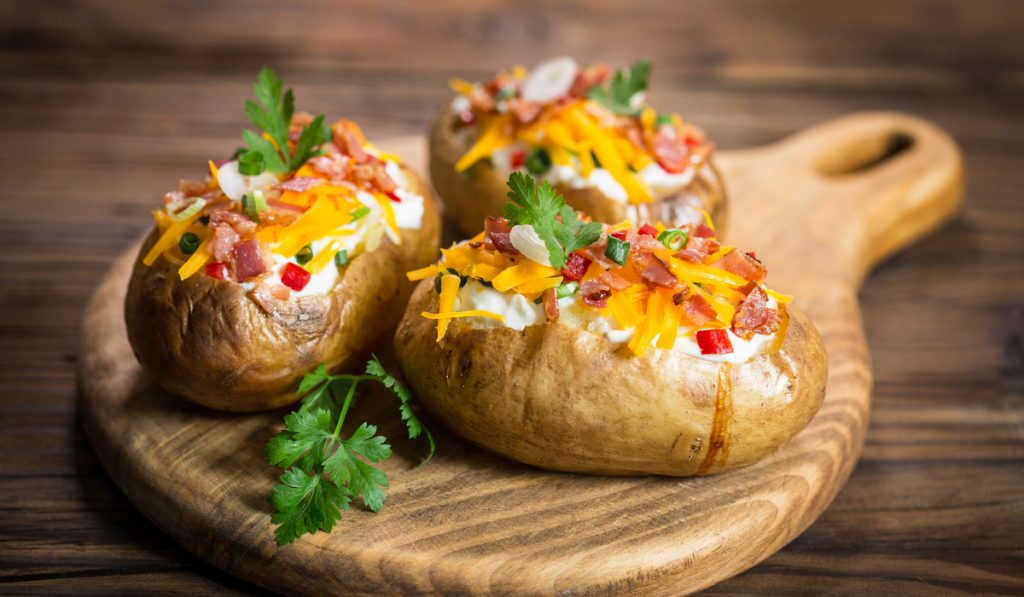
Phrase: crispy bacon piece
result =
(595, 293)
(703, 231)
(742, 264)
(587, 78)
(349, 139)
(335, 165)
(270, 297)
(697, 308)
(672, 153)
(248, 260)
(550, 306)
(372, 173)
(192, 188)
(299, 184)
(299, 121)
(496, 236)
(481, 101)
(523, 110)
(228, 229)
(702, 245)
(689, 255)
(753, 316)
(657, 273)
(613, 281)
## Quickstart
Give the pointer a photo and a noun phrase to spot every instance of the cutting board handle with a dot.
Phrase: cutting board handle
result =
(869, 183)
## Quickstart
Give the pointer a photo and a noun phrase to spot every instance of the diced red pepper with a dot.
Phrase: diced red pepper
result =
(692, 141)
(392, 196)
(517, 159)
(714, 341)
(648, 230)
(575, 266)
(217, 271)
(621, 234)
(294, 277)
(752, 254)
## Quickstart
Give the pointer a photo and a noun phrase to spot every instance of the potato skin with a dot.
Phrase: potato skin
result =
(564, 399)
(206, 341)
(483, 192)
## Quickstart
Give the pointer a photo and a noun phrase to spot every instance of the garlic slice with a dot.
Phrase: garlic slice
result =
(235, 184)
(526, 240)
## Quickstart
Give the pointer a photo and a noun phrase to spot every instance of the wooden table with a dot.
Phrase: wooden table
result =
(104, 105)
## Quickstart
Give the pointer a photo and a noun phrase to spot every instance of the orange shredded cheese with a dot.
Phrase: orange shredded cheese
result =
(197, 260)
(460, 314)
(169, 237)
(446, 302)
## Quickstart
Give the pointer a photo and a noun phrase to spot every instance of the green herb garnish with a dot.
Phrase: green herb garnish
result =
(274, 118)
(325, 472)
(662, 120)
(554, 222)
(624, 85)
(360, 212)
(617, 250)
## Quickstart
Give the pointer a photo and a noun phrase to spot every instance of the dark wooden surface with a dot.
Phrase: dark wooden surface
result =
(105, 105)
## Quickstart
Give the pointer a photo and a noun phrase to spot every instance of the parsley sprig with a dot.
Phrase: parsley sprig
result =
(274, 115)
(624, 85)
(325, 472)
(555, 222)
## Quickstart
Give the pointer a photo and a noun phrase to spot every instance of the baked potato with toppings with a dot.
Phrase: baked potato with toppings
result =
(253, 278)
(612, 163)
(664, 357)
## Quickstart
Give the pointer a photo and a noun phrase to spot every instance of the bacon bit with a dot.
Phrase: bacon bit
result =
(703, 230)
(587, 78)
(333, 166)
(679, 297)
(657, 273)
(672, 154)
(276, 204)
(524, 111)
(348, 143)
(595, 293)
(550, 306)
(640, 259)
(698, 309)
(496, 236)
(299, 122)
(644, 242)
(228, 228)
(299, 184)
(248, 260)
(702, 245)
(575, 266)
(266, 296)
(742, 264)
(753, 315)
(689, 255)
(372, 173)
(613, 281)
(481, 101)
(192, 188)
(475, 245)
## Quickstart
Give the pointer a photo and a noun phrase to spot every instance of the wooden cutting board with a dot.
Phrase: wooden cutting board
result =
(821, 208)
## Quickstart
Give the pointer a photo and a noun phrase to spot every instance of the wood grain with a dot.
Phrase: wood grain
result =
(470, 522)
(121, 98)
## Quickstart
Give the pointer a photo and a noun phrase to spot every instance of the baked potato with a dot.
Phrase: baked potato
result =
(252, 278)
(611, 350)
(609, 154)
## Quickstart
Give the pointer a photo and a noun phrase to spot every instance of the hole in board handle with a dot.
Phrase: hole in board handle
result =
(864, 154)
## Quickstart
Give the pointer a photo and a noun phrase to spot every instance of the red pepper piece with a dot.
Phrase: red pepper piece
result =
(518, 159)
(714, 341)
(294, 277)
(217, 271)
(575, 267)
(392, 196)
(704, 231)
(648, 230)
(621, 234)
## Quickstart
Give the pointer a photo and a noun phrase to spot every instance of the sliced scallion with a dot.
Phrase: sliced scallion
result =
(341, 258)
(673, 238)
(617, 250)
(188, 243)
(538, 162)
(304, 255)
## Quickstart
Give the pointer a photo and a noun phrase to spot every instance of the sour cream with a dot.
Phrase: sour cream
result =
(520, 312)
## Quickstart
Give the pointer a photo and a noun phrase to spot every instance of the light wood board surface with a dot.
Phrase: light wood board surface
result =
(820, 207)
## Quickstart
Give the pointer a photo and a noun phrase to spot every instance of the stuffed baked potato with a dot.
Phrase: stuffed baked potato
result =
(609, 349)
(279, 261)
(609, 154)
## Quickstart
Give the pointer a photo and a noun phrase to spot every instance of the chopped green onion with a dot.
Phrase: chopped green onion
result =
(195, 207)
(567, 289)
(674, 239)
(250, 163)
(204, 220)
(538, 162)
(304, 255)
(597, 162)
(617, 250)
(462, 279)
(253, 204)
(341, 258)
(360, 213)
(505, 93)
(662, 120)
(188, 243)
(437, 283)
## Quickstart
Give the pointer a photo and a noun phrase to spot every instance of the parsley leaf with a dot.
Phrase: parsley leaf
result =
(273, 115)
(325, 472)
(624, 85)
(555, 223)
